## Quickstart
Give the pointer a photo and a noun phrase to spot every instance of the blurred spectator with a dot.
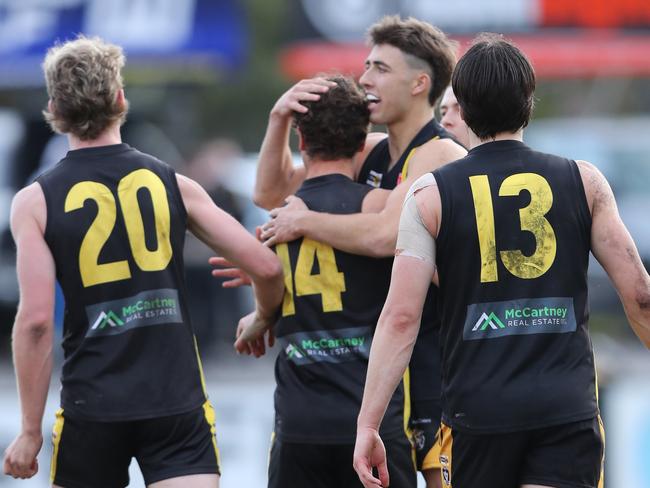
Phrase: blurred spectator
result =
(215, 311)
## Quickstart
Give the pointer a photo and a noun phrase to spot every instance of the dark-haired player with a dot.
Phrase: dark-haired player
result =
(407, 70)
(509, 231)
(331, 303)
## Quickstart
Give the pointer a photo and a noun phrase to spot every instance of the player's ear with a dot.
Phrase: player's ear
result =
(301, 141)
(421, 84)
(120, 98)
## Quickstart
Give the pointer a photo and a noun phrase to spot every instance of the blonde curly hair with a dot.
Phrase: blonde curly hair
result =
(83, 79)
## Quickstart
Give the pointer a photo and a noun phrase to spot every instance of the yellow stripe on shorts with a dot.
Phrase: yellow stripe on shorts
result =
(56, 440)
(210, 417)
(432, 459)
(601, 481)
(446, 442)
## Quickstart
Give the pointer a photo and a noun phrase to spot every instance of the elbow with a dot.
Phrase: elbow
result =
(271, 269)
(262, 200)
(267, 201)
(382, 246)
(401, 321)
(33, 326)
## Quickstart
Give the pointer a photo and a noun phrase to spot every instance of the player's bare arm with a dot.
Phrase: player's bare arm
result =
(370, 234)
(33, 327)
(227, 237)
(615, 250)
(276, 175)
(390, 353)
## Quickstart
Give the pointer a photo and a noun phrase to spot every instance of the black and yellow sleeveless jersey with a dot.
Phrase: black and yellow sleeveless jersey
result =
(331, 306)
(424, 367)
(512, 256)
(116, 227)
(375, 171)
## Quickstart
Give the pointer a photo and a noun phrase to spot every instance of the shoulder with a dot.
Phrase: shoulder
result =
(423, 182)
(27, 204)
(597, 189)
(372, 140)
(187, 186)
(29, 196)
(438, 152)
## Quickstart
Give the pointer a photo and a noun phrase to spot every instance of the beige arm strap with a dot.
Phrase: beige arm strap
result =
(413, 238)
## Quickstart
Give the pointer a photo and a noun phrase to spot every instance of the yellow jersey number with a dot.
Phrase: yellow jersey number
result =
(95, 273)
(532, 220)
(329, 283)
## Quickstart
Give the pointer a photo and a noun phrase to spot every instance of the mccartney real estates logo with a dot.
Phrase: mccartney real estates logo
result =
(331, 346)
(551, 315)
(149, 307)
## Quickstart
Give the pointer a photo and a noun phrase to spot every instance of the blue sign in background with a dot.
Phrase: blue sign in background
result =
(212, 32)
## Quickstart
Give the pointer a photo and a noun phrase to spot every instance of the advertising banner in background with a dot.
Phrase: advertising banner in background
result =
(211, 33)
(576, 39)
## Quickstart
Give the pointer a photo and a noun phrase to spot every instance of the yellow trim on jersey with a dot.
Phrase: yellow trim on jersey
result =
(57, 430)
(211, 418)
(198, 359)
(406, 380)
(432, 459)
(405, 168)
(446, 442)
(593, 359)
(268, 459)
(601, 481)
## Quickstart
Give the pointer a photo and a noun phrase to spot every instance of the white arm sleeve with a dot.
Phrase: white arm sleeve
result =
(413, 238)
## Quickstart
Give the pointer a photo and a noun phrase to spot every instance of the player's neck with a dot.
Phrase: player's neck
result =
(502, 136)
(319, 167)
(107, 138)
(402, 132)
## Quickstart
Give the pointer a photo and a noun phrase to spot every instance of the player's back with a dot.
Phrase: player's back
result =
(512, 256)
(329, 313)
(115, 226)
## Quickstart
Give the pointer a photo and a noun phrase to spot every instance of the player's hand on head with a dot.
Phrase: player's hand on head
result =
(20, 457)
(308, 90)
(234, 276)
(284, 224)
(369, 452)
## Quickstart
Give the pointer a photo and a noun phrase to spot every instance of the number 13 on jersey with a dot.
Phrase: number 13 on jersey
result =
(329, 283)
(532, 218)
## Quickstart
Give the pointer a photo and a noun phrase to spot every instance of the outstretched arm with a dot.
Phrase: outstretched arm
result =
(615, 250)
(368, 234)
(227, 237)
(277, 177)
(33, 327)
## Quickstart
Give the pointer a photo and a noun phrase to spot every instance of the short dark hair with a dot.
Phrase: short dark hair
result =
(422, 41)
(494, 83)
(336, 125)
